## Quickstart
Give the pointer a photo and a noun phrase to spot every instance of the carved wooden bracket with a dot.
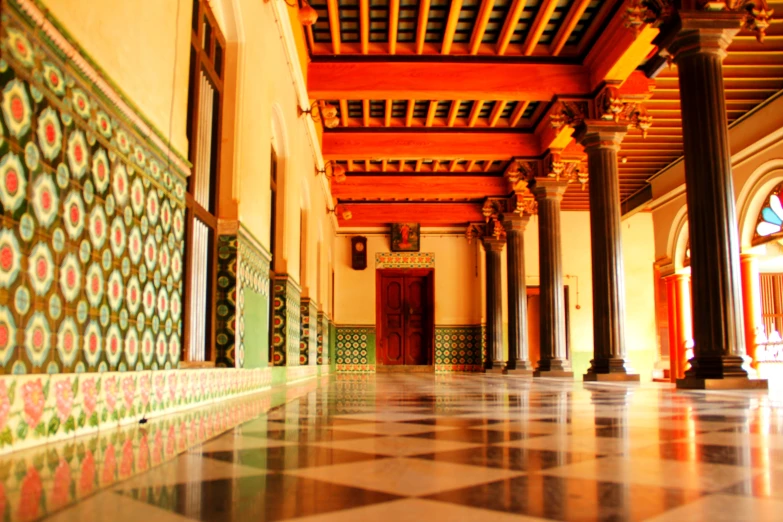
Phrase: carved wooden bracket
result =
(757, 12)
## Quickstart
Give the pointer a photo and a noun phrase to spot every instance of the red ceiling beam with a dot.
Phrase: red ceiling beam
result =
(416, 186)
(427, 214)
(445, 80)
(358, 145)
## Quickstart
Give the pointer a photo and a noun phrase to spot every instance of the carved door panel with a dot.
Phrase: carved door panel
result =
(416, 327)
(393, 316)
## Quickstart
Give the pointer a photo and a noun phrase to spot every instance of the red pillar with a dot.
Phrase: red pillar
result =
(680, 331)
(751, 299)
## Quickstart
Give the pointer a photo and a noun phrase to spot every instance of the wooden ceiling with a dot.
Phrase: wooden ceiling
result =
(435, 97)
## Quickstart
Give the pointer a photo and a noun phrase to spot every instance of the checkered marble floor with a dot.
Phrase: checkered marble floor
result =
(474, 448)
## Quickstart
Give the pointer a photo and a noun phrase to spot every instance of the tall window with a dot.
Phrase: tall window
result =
(204, 115)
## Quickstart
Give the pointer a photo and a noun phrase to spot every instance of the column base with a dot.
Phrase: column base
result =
(567, 373)
(728, 383)
(612, 377)
(497, 370)
(520, 365)
(520, 373)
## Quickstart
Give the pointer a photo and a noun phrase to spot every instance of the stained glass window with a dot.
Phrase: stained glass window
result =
(770, 221)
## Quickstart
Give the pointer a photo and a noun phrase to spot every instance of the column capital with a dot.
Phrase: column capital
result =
(600, 134)
(513, 222)
(549, 188)
(492, 244)
(705, 33)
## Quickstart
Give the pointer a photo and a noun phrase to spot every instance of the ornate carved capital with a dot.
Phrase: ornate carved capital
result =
(570, 113)
(611, 106)
(526, 204)
(492, 230)
(757, 14)
(520, 172)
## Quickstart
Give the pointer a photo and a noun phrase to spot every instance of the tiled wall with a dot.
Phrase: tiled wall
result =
(308, 340)
(91, 245)
(458, 348)
(243, 269)
(355, 349)
(287, 322)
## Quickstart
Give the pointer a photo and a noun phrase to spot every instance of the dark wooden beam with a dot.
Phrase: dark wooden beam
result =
(427, 214)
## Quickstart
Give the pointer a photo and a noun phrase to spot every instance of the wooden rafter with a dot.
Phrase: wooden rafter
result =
(367, 165)
(435, 165)
(409, 113)
(469, 166)
(394, 20)
(568, 25)
(387, 111)
(384, 165)
(344, 112)
(453, 112)
(451, 26)
(351, 167)
(474, 112)
(496, 112)
(519, 110)
(364, 24)
(334, 24)
(481, 25)
(453, 165)
(366, 113)
(421, 29)
(431, 113)
(417, 168)
(510, 25)
(545, 11)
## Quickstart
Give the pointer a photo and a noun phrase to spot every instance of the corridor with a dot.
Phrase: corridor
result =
(472, 448)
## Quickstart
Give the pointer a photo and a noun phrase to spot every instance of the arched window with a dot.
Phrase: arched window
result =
(769, 224)
(205, 103)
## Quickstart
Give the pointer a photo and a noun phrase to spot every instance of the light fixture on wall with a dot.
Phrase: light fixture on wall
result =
(307, 15)
(322, 112)
(333, 171)
(345, 214)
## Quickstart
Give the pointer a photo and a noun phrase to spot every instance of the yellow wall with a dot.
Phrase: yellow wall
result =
(144, 47)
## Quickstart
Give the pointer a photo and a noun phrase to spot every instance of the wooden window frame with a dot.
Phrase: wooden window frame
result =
(203, 60)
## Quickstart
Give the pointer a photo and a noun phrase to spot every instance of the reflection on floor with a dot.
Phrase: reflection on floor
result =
(473, 448)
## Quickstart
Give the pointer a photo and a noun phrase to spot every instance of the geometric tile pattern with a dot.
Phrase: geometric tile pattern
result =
(242, 267)
(404, 260)
(308, 340)
(286, 324)
(458, 348)
(352, 348)
(323, 339)
(91, 240)
(227, 303)
(476, 448)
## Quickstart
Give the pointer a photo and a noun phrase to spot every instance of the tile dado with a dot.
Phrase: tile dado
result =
(286, 300)
(355, 349)
(91, 240)
(243, 267)
(42, 480)
(458, 349)
(308, 340)
(40, 408)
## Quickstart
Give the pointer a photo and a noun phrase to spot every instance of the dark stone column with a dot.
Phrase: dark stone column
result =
(601, 140)
(719, 352)
(518, 358)
(493, 247)
(554, 363)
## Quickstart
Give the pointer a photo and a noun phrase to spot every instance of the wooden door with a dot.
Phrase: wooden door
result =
(405, 315)
(392, 324)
